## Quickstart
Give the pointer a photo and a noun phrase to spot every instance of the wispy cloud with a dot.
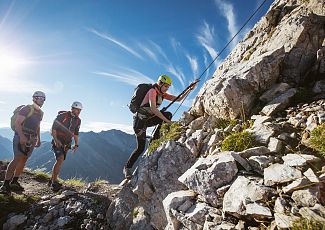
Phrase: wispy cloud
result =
(194, 64)
(115, 41)
(160, 51)
(149, 52)
(227, 10)
(128, 76)
(178, 73)
(97, 126)
(206, 38)
(3, 102)
(175, 44)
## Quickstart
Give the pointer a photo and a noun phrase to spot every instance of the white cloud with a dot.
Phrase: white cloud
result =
(97, 126)
(177, 72)
(46, 126)
(3, 102)
(175, 44)
(129, 76)
(18, 85)
(115, 41)
(227, 10)
(149, 52)
(194, 64)
(206, 38)
(160, 51)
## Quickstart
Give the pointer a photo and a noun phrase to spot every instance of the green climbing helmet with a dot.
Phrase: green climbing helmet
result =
(165, 79)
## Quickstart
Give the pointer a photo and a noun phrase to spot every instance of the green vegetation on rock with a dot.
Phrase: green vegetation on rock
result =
(168, 132)
(317, 139)
(238, 141)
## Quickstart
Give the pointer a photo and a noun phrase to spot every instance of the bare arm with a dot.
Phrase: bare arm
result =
(153, 108)
(172, 97)
(76, 141)
(38, 143)
(19, 129)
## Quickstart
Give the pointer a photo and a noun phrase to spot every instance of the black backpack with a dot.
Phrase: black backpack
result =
(139, 93)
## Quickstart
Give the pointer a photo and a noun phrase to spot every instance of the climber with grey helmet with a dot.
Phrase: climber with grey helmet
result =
(149, 115)
(65, 128)
(26, 125)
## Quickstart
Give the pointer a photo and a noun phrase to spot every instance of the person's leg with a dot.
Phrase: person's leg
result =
(141, 143)
(12, 165)
(140, 132)
(20, 165)
(57, 167)
(157, 121)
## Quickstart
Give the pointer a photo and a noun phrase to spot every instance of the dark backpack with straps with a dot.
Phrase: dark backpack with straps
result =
(139, 93)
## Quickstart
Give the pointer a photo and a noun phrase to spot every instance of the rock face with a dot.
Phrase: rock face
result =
(278, 39)
(157, 176)
(209, 174)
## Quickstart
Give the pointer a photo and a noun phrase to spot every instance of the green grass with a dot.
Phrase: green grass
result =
(77, 182)
(307, 225)
(317, 139)
(15, 203)
(100, 182)
(135, 213)
(41, 175)
(238, 142)
(168, 132)
(224, 123)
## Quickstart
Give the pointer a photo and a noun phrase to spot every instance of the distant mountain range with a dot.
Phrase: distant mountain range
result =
(8, 133)
(99, 156)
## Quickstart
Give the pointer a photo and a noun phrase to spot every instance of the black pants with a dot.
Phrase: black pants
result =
(140, 128)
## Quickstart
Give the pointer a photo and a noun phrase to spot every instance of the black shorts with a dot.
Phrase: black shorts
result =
(60, 151)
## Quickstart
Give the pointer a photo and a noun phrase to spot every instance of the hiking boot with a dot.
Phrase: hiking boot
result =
(56, 186)
(49, 184)
(15, 186)
(127, 172)
(5, 189)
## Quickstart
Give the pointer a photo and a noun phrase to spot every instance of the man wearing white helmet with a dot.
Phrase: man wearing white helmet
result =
(65, 127)
(26, 124)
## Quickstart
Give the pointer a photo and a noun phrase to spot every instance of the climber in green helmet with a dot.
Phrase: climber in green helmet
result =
(148, 115)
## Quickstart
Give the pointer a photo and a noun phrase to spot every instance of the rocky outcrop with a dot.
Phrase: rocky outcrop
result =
(282, 47)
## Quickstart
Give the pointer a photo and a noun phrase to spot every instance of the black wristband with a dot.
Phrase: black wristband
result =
(76, 145)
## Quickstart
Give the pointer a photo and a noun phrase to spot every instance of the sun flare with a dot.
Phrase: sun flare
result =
(11, 62)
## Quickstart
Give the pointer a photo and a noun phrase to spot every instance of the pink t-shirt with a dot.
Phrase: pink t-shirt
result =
(152, 93)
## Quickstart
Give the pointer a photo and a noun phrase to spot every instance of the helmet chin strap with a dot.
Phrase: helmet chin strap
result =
(38, 107)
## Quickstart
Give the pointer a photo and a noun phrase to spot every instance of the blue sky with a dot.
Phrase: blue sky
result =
(96, 52)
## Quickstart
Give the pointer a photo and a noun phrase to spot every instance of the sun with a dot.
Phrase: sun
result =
(12, 62)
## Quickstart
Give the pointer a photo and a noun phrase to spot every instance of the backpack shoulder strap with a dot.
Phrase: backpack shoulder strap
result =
(31, 111)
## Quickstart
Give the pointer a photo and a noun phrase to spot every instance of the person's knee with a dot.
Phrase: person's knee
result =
(59, 159)
(168, 115)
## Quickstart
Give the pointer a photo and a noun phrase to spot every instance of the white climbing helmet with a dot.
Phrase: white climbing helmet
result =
(39, 94)
(76, 105)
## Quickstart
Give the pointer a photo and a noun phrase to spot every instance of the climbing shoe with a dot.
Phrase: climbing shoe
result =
(56, 186)
(15, 186)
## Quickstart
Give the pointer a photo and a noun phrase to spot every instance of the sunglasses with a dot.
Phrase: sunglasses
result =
(40, 98)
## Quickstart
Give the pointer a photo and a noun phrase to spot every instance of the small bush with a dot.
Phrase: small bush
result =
(167, 133)
(317, 139)
(307, 225)
(238, 142)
